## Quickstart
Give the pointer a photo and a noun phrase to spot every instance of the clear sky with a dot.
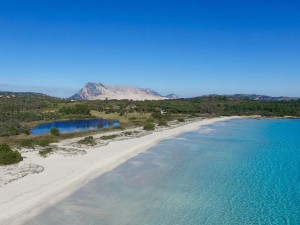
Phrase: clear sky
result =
(185, 47)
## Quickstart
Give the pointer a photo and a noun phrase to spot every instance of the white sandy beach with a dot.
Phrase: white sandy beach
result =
(24, 198)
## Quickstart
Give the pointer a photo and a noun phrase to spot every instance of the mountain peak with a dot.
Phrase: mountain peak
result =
(100, 91)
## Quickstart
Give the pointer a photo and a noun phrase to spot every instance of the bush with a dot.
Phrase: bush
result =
(8, 156)
(162, 122)
(54, 131)
(44, 153)
(181, 119)
(79, 109)
(27, 143)
(44, 142)
(120, 127)
(87, 141)
(26, 130)
(149, 126)
(108, 137)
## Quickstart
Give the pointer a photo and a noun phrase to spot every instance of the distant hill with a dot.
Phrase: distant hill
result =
(254, 97)
(172, 96)
(95, 91)
(9, 94)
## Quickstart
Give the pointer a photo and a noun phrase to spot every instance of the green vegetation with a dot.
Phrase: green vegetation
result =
(76, 110)
(20, 113)
(181, 119)
(87, 141)
(8, 156)
(54, 131)
(162, 122)
(128, 133)
(27, 143)
(200, 106)
(44, 142)
(108, 137)
(149, 126)
(45, 152)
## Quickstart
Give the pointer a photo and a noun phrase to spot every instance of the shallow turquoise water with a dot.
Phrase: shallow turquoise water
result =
(235, 172)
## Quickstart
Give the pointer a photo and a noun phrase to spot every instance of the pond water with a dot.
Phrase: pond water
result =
(73, 126)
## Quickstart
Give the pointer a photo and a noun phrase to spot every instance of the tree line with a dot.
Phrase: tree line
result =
(17, 113)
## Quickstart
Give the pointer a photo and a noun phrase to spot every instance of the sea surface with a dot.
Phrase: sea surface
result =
(242, 171)
(73, 126)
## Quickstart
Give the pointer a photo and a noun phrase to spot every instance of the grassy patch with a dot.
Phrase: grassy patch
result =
(128, 133)
(109, 137)
(45, 152)
(87, 141)
(129, 119)
(27, 143)
(44, 142)
(162, 122)
(181, 119)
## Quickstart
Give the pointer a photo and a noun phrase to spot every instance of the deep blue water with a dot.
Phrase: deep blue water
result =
(73, 126)
(236, 172)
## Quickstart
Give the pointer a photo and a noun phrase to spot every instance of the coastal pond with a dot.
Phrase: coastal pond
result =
(74, 126)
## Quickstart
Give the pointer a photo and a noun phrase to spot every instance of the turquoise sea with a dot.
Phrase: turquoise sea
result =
(242, 171)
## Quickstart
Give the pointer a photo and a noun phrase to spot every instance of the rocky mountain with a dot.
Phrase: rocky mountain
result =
(95, 91)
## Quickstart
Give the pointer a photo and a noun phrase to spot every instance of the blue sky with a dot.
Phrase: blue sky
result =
(186, 47)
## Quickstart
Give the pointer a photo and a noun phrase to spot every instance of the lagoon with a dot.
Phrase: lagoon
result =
(73, 126)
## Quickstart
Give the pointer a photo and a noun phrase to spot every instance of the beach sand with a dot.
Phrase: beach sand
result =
(24, 198)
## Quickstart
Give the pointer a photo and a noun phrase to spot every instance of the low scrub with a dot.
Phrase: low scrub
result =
(44, 142)
(128, 133)
(120, 127)
(8, 156)
(181, 119)
(162, 122)
(149, 126)
(108, 137)
(87, 141)
(45, 152)
(27, 143)
(54, 132)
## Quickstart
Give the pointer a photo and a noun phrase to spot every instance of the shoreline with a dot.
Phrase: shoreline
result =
(63, 175)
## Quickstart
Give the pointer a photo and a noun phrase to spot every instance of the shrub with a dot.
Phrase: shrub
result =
(27, 143)
(87, 141)
(149, 126)
(108, 137)
(162, 122)
(120, 127)
(157, 115)
(54, 131)
(79, 109)
(44, 153)
(8, 156)
(181, 119)
(44, 142)
(26, 130)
